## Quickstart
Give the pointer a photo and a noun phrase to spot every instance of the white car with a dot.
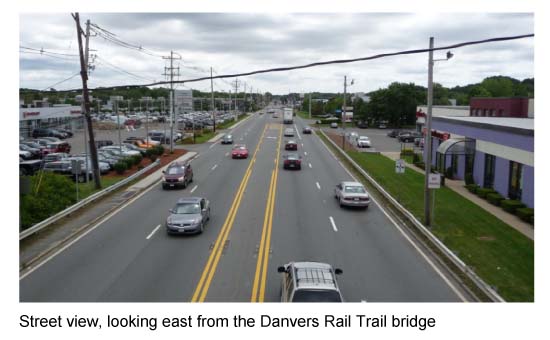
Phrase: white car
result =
(363, 142)
(125, 151)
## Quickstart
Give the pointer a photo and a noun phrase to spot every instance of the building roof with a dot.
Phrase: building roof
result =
(518, 125)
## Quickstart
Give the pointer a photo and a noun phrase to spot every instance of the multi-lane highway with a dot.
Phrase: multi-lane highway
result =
(262, 217)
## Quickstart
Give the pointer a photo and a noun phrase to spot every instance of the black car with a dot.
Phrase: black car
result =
(29, 168)
(409, 137)
(393, 133)
(362, 124)
(177, 174)
(227, 139)
(292, 161)
(306, 130)
(101, 143)
(37, 133)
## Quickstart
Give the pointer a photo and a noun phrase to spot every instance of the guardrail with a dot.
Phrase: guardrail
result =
(482, 285)
(43, 224)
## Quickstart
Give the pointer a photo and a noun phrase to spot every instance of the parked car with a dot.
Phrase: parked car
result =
(29, 168)
(35, 152)
(139, 142)
(362, 124)
(306, 130)
(25, 155)
(56, 147)
(188, 216)
(239, 151)
(124, 151)
(334, 125)
(409, 137)
(227, 139)
(55, 156)
(69, 133)
(292, 161)
(52, 139)
(289, 132)
(352, 194)
(382, 125)
(363, 142)
(133, 147)
(393, 133)
(291, 145)
(352, 136)
(102, 143)
(309, 282)
(177, 174)
(164, 138)
(37, 133)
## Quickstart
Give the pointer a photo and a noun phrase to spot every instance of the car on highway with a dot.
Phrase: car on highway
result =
(291, 145)
(309, 282)
(239, 151)
(362, 124)
(334, 125)
(227, 139)
(393, 133)
(188, 216)
(352, 194)
(409, 137)
(363, 142)
(307, 130)
(177, 174)
(289, 132)
(292, 161)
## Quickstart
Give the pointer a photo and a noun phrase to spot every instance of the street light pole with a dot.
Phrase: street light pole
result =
(310, 105)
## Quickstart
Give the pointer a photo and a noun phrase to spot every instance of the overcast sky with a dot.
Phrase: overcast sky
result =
(233, 43)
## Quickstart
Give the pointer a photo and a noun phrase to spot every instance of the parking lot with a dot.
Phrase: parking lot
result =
(379, 140)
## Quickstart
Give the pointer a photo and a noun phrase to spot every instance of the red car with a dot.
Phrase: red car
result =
(56, 147)
(291, 145)
(239, 151)
(292, 161)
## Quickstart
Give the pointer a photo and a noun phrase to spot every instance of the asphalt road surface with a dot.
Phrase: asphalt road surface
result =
(262, 217)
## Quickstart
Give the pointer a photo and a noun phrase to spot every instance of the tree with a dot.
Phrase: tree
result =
(499, 86)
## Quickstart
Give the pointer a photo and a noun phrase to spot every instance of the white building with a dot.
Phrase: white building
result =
(183, 101)
(59, 116)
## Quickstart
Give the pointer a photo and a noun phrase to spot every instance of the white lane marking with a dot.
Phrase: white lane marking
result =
(318, 186)
(302, 145)
(88, 231)
(194, 188)
(435, 268)
(309, 164)
(214, 167)
(226, 154)
(305, 153)
(213, 145)
(333, 225)
(296, 128)
(271, 137)
(154, 230)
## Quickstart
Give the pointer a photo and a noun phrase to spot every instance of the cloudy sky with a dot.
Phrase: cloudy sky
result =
(232, 43)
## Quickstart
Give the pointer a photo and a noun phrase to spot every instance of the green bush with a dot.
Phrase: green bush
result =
(449, 173)
(151, 153)
(407, 152)
(159, 150)
(483, 192)
(494, 198)
(469, 178)
(511, 205)
(417, 158)
(420, 165)
(129, 162)
(526, 214)
(120, 167)
(136, 159)
(55, 193)
(471, 187)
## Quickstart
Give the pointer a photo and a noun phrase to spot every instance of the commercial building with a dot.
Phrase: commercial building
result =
(57, 116)
(497, 150)
(183, 101)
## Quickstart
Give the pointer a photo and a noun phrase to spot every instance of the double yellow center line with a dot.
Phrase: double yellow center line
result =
(258, 288)
(208, 273)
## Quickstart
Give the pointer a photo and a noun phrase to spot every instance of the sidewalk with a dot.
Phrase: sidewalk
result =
(458, 187)
(45, 242)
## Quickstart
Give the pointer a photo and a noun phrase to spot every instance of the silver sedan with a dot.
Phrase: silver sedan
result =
(352, 194)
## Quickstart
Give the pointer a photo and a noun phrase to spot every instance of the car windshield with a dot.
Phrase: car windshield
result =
(315, 295)
(292, 156)
(355, 189)
(228, 137)
(187, 208)
(239, 148)
(174, 170)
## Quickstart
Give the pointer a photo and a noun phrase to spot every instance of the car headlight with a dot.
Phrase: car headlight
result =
(180, 179)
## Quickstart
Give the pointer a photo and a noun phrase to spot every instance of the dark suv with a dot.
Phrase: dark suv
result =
(177, 174)
(37, 133)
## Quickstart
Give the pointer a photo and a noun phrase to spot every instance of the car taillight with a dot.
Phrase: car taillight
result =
(287, 161)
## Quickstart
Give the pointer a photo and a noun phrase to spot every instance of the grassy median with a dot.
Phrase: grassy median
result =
(499, 254)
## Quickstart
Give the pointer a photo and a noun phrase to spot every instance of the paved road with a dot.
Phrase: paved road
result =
(262, 217)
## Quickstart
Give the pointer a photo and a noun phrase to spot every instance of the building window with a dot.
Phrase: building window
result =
(489, 177)
(515, 182)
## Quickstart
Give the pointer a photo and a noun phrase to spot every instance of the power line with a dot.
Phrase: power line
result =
(49, 52)
(111, 37)
(121, 70)
(62, 81)
(341, 61)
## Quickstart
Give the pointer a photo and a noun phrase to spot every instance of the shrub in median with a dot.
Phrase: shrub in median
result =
(159, 150)
(483, 192)
(120, 167)
(129, 162)
(526, 214)
(511, 205)
(471, 188)
(495, 198)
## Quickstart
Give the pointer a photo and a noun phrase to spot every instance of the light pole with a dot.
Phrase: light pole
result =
(428, 138)
(344, 113)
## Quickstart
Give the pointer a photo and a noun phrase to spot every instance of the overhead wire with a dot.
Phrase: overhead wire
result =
(121, 70)
(340, 61)
(111, 37)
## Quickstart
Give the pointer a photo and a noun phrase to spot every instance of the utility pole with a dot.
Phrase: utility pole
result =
(428, 141)
(86, 51)
(118, 125)
(244, 98)
(173, 97)
(86, 98)
(236, 94)
(212, 98)
(344, 113)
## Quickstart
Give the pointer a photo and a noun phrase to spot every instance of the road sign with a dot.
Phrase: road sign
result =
(434, 181)
(348, 108)
(400, 166)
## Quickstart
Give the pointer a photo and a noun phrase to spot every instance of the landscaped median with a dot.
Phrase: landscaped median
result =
(500, 255)
(205, 135)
